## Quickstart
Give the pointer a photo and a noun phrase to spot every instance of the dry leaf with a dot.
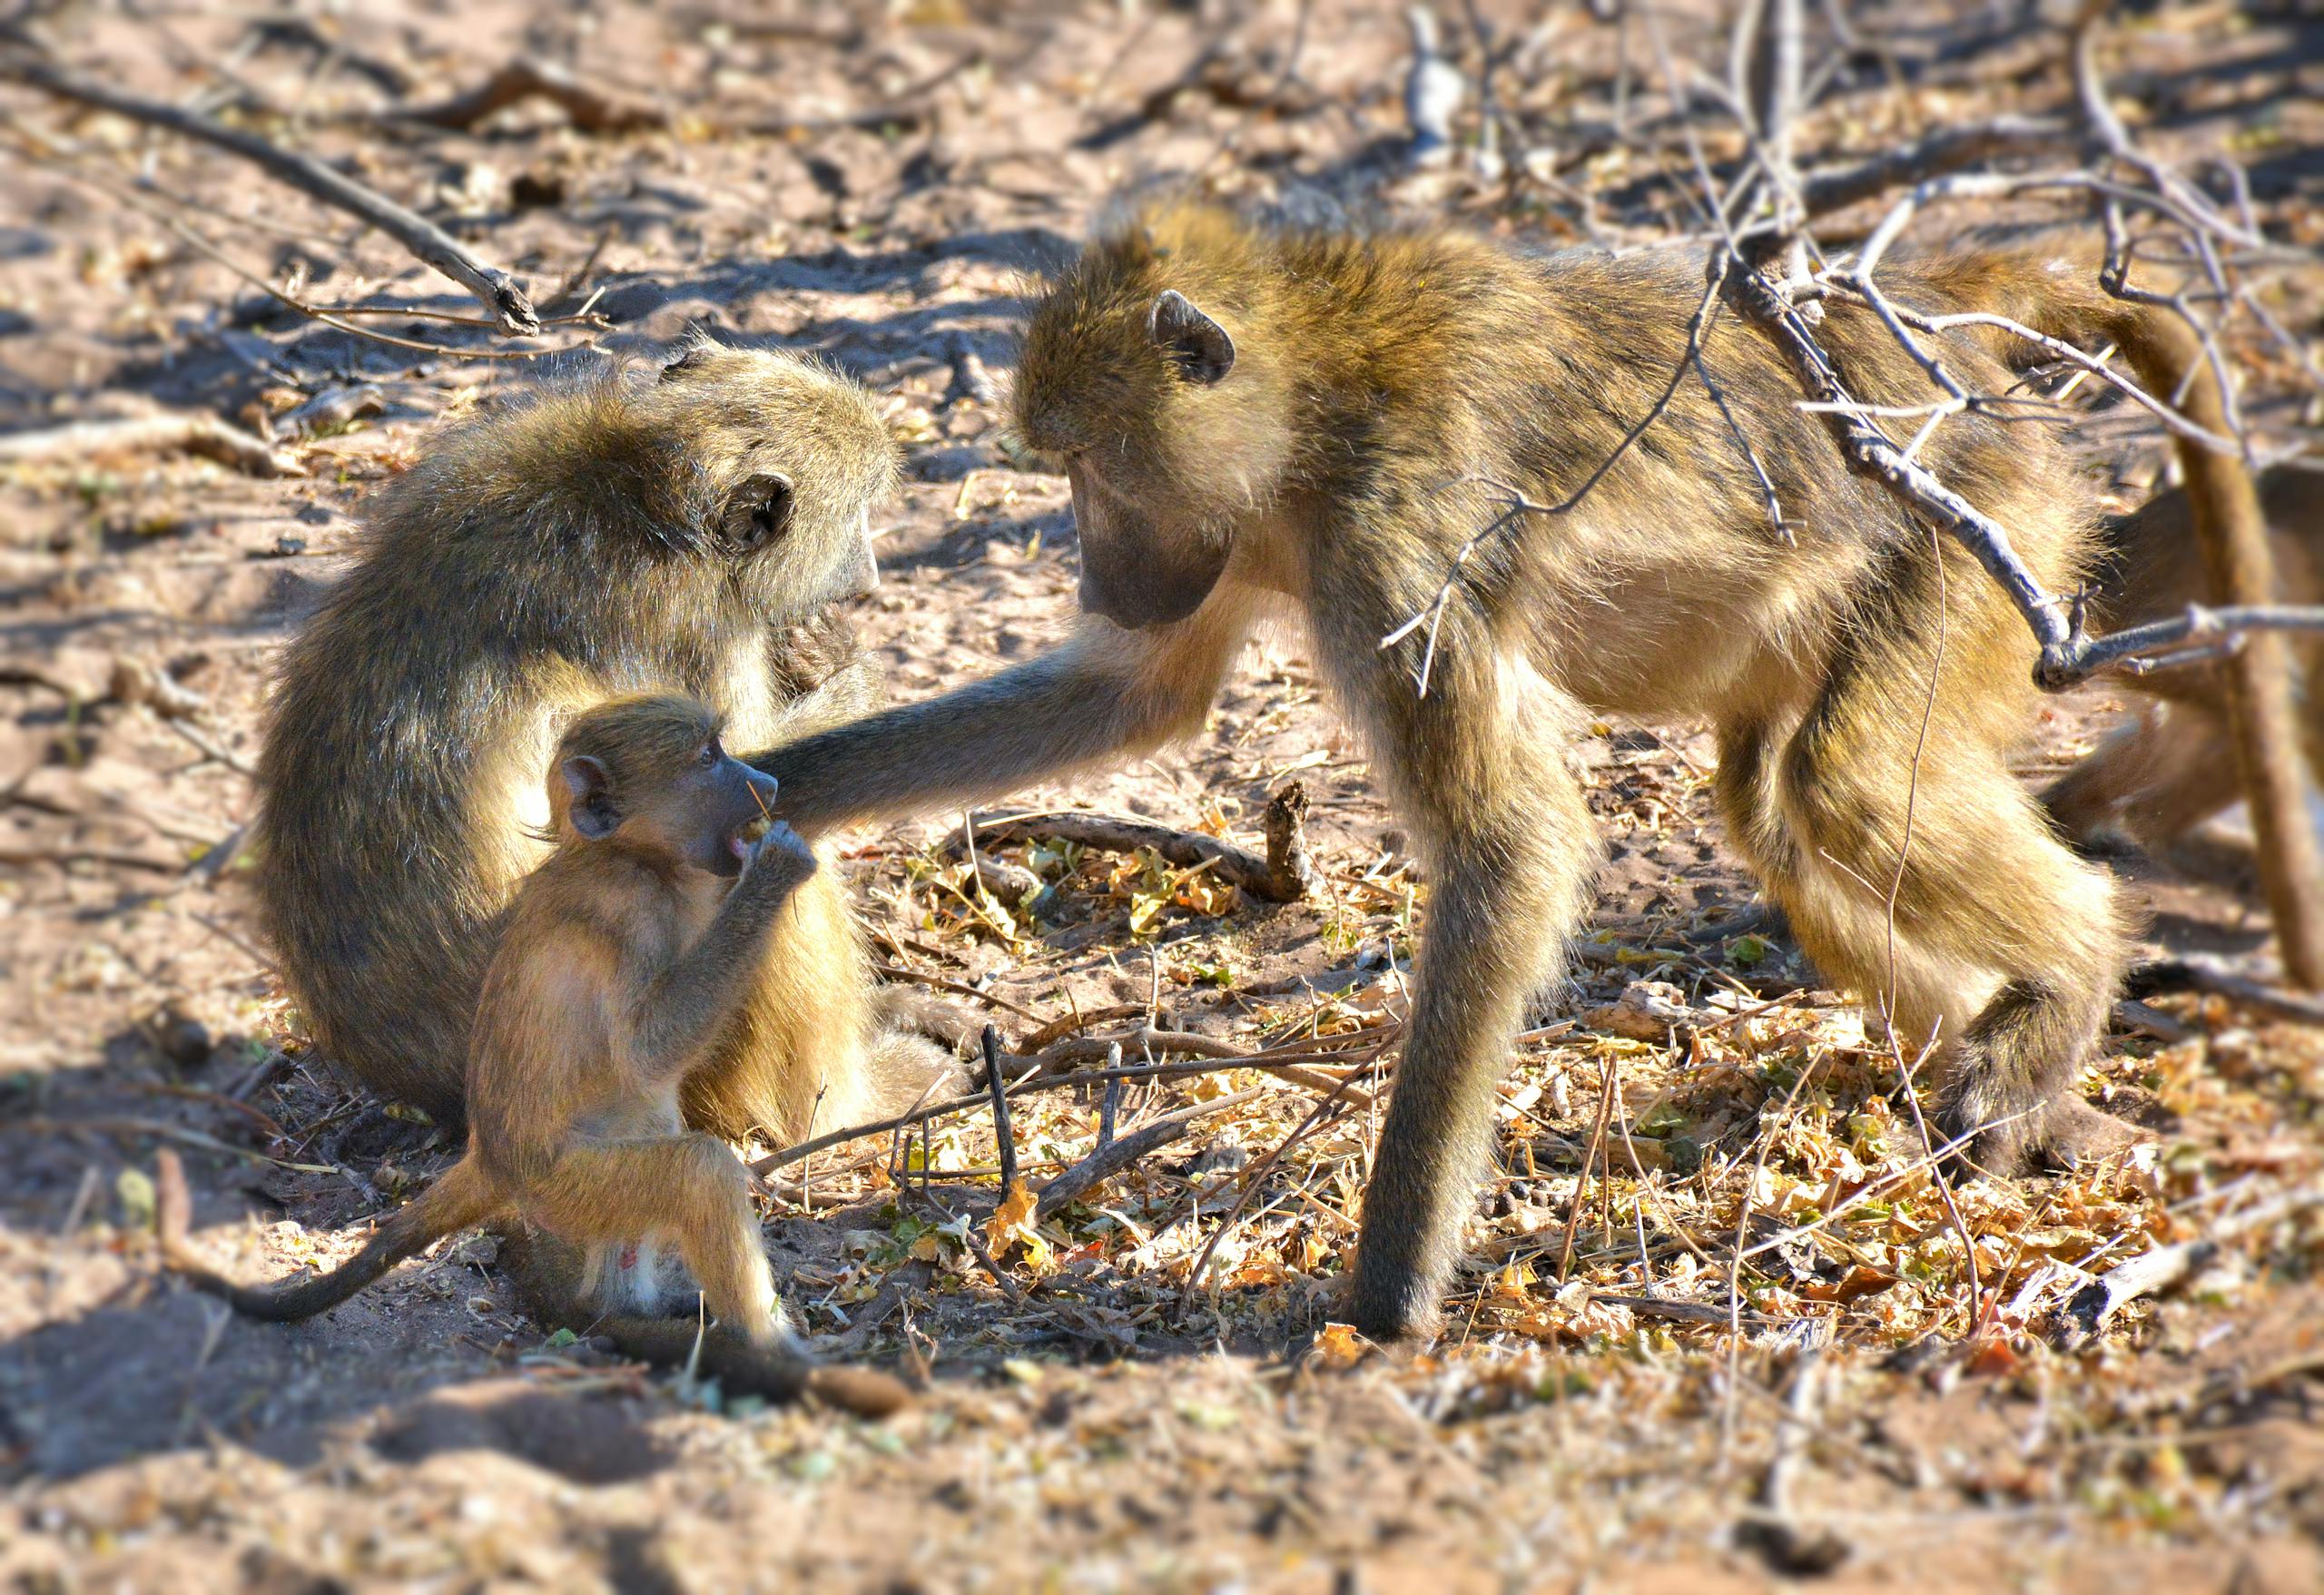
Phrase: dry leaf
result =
(1012, 1221)
(1339, 1346)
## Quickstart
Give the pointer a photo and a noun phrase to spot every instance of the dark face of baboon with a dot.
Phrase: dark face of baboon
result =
(652, 773)
(1168, 420)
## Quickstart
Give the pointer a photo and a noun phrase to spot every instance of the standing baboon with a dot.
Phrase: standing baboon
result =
(679, 529)
(2172, 765)
(1315, 422)
(628, 954)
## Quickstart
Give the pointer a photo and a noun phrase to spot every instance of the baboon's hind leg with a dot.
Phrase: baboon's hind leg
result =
(689, 1188)
(2005, 949)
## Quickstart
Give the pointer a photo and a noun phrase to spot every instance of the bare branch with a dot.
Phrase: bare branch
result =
(1277, 878)
(198, 433)
(423, 237)
(591, 107)
(1945, 151)
(1111, 1156)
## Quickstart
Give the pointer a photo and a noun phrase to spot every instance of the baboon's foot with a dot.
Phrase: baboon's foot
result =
(2071, 1133)
(2065, 1133)
(1391, 1307)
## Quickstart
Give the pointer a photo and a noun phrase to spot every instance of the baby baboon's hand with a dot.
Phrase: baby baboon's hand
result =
(780, 858)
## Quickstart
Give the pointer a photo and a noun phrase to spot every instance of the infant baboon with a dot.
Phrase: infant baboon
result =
(627, 955)
(1315, 422)
(642, 531)
(2172, 765)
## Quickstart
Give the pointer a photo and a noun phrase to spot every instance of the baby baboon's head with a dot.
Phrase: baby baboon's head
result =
(651, 770)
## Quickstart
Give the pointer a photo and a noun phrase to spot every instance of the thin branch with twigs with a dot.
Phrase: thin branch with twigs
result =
(428, 243)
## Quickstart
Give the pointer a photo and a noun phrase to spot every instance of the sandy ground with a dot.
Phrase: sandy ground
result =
(1106, 1419)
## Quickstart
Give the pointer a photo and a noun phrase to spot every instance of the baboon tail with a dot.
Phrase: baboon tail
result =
(2054, 283)
(461, 1199)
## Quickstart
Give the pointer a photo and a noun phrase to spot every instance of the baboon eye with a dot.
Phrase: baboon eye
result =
(709, 755)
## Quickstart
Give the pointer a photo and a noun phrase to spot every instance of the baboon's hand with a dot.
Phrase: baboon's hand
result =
(780, 858)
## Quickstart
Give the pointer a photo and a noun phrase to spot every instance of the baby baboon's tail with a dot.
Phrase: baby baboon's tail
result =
(461, 1199)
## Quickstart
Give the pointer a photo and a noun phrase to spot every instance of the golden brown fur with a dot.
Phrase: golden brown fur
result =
(628, 953)
(2171, 767)
(1306, 423)
(677, 529)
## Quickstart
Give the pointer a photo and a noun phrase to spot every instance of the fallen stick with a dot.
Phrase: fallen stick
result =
(1151, 1040)
(996, 1083)
(1032, 1078)
(195, 434)
(590, 108)
(1283, 876)
(161, 1131)
(2088, 1310)
(1687, 1312)
(430, 243)
(1111, 1157)
(1066, 1024)
(2197, 974)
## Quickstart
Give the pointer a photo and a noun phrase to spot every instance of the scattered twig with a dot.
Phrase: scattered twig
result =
(1112, 1156)
(1329, 1109)
(208, 747)
(1945, 151)
(130, 196)
(1035, 1040)
(2192, 973)
(2086, 1314)
(1274, 879)
(432, 244)
(998, 1085)
(1030, 1078)
(591, 107)
(198, 434)
(159, 1130)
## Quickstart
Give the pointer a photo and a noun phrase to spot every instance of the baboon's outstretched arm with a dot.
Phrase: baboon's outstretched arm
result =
(1104, 691)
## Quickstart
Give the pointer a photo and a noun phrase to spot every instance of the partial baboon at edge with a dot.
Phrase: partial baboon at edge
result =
(1312, 424)
(676, 529)
(628, 954)
(2171, 767)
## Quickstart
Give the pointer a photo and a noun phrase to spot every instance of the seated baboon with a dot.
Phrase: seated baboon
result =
(662, 529)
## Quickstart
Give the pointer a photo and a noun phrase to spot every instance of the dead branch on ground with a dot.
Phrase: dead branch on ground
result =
(430, 243)
(2086, 1314)
(591, 107)
(193, 433)
(1027, 1075)
(1283, 876)
(1112, 1156)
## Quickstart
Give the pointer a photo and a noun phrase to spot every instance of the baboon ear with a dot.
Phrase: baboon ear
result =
(592, 786)
(759, 511)
(1191, 340)
(696, 350)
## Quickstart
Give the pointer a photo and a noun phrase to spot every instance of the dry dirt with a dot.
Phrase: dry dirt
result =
(1107, 1419)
